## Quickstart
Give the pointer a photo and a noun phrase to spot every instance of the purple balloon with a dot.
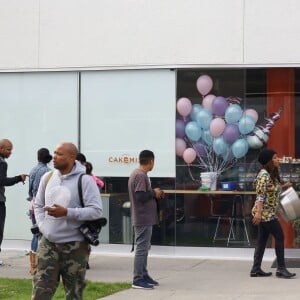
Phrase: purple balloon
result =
(180, 128)
(200, 149)
(231, 133)
(219, 106)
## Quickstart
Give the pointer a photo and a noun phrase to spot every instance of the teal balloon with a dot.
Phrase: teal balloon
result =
(233, 113)
(195, 109)
(193, 131)
(203, 118)
(220, 146)
(228, 156)
(240, 148)
(207, 138)
(246, 124)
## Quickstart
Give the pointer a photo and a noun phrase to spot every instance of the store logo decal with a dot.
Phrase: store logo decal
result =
(123, 159)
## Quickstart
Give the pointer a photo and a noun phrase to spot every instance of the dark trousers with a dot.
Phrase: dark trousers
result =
(264, 230)
(143, 243)
(2, 220)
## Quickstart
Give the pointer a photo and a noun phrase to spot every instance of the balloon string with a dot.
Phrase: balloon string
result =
(191, 174)
(210, 161)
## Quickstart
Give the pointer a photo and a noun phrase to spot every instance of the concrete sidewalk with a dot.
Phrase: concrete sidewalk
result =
(216, 273)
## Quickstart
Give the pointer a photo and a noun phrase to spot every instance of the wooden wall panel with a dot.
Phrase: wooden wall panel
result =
(280, 92)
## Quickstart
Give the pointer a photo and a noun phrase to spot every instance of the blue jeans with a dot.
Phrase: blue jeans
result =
(34, 242)
(143, 236)
(35, 237)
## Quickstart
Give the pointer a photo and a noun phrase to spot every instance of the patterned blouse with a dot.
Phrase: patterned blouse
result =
(267, 192)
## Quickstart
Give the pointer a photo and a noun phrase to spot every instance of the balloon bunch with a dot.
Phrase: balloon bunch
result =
(218, 131)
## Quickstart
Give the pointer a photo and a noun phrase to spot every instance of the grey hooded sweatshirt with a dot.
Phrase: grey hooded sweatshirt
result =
(63, 190)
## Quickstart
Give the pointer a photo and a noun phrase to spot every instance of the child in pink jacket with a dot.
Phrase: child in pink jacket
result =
(89, 169)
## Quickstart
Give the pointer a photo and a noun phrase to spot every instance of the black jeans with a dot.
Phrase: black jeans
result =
(264, 230)
(2, 220)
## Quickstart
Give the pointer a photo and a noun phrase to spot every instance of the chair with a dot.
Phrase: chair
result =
(232, 212)
(223, 210)
(239, 217)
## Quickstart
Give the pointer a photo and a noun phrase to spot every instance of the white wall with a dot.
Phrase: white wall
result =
(272, 32)
(55, 34)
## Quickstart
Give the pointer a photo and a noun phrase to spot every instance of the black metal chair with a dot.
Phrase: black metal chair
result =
(230, 212)
(223, 210)
(239, 218)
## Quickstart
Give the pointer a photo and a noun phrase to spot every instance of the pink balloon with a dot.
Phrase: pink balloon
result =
(180, 146)
(217, 126)
(204, 84)
(184, 106)
(189, 155)
(251, 113)
(207, 102)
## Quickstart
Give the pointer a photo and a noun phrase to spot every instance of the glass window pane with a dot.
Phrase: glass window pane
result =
(39, 110)
(124, 112)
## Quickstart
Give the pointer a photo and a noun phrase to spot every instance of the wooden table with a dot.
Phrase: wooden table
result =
(219, 192)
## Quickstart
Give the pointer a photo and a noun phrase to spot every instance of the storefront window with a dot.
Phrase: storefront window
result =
(218, 219)
(188, 218)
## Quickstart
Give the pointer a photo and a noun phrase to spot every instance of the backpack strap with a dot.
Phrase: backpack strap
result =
(48, 177)
(80, 189)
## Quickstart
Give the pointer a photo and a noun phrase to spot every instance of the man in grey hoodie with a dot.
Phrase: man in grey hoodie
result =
(62, 249)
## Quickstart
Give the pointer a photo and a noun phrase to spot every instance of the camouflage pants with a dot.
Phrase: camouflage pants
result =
(68, 260)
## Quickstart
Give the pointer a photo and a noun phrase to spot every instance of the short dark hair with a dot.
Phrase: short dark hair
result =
(44, 156)
(145, 157)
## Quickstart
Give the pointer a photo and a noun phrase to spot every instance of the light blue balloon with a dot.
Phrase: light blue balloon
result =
(233, 113)
(195, 109)
(193, 131)
(220, 146)
(228, 156)
(207, 138)
(246, 124)
(203, 118)
(240, 148)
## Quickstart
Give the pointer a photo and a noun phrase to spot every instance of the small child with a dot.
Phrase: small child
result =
(89, 169)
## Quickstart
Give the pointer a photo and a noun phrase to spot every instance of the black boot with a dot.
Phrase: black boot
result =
(284, 273)
(256, 270)
(259, 273)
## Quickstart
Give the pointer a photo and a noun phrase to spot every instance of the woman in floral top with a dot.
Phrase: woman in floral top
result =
(268, 188)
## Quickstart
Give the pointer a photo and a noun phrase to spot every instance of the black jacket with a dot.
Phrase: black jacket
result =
(4, 180)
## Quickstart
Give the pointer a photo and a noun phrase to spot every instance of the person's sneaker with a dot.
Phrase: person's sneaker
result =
(142, 284)
(150, 280)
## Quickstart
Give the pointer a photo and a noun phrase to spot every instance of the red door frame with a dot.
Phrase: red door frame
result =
(281, 92)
